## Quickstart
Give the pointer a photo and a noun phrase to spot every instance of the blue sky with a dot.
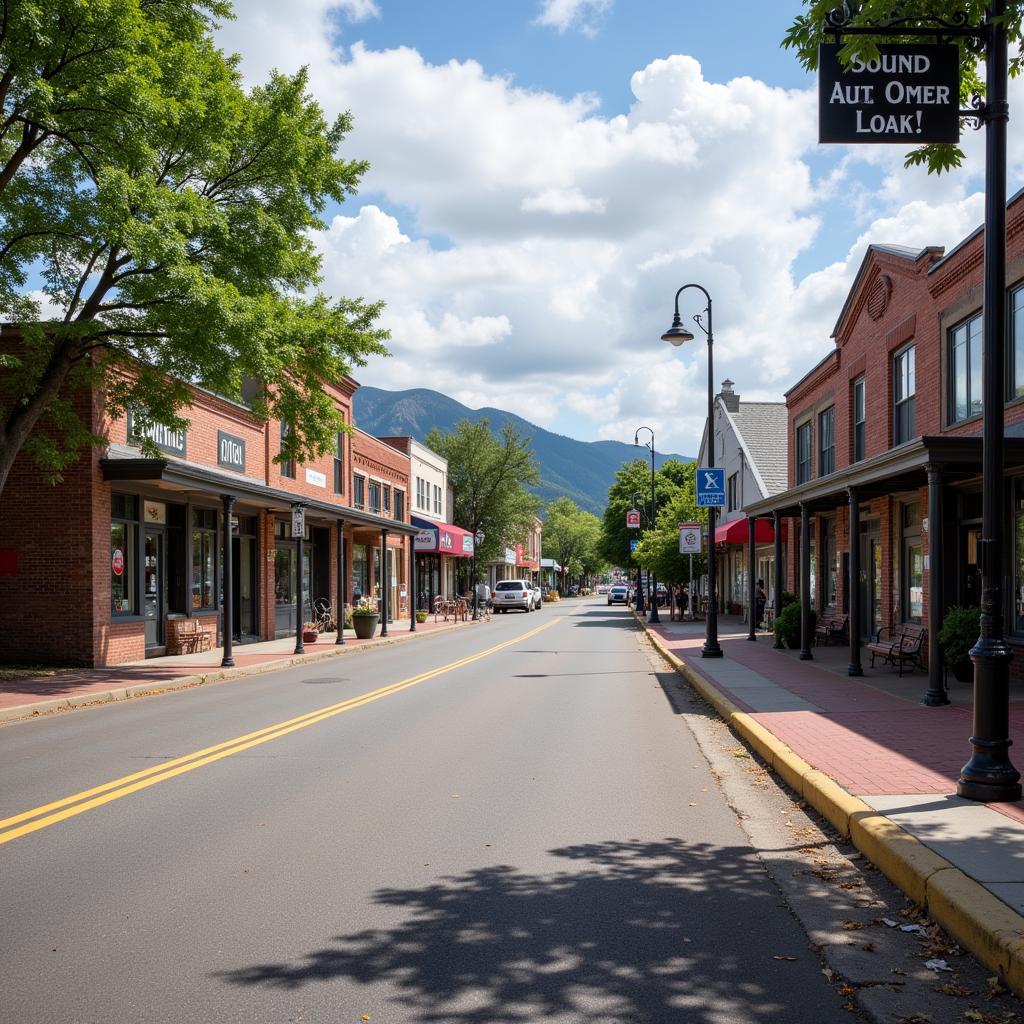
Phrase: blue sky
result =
(544, 174)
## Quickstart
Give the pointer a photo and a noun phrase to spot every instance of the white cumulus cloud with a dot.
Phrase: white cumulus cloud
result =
(563, 15)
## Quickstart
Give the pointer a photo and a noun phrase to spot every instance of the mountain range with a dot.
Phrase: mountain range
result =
(581, 470)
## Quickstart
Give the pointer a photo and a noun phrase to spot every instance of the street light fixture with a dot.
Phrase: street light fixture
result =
(478, 537)
(654, 617)
(640, 605)
(678, 335)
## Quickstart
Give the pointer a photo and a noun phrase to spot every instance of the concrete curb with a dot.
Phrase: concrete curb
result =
(35, 709)
(977, 919)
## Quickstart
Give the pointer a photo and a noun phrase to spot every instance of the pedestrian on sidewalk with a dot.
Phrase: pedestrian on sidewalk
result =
(760, 601)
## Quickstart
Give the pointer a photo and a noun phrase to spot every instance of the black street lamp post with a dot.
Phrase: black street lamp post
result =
(653, 617)
(478, 539)
(640, 606)
(676, 335)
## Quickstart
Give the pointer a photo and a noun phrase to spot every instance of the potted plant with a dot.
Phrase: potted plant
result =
(421, 615)
(364, 619)
(959, 633)
(310, 633)
(787, 626)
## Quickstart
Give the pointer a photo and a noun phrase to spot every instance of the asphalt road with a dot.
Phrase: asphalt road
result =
(530, 835)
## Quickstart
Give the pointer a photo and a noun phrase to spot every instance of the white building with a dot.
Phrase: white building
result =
(750, 444)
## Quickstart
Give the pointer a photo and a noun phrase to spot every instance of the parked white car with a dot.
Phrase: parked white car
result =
(538, 599)
(513, 594)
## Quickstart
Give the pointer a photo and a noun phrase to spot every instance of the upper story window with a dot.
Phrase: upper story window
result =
(359, 491)
(422, 494)
(399, 504)
(1017, 348)
(732, 493)
(375, 496)
(965, 370)
(827, 442)
(803, 453)
(339, 463)
(437, 500)
(859, 420)
(387, 500)
(903, 392)
(288, 466)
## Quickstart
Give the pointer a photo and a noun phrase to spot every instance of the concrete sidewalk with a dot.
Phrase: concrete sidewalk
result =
(882, 768)
(40, 694)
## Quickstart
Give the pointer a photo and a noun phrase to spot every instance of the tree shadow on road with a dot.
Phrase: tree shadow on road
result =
(634, 931)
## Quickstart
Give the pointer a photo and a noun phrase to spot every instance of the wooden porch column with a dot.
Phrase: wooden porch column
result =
(780, 572)
(853, 584)
(805, 582)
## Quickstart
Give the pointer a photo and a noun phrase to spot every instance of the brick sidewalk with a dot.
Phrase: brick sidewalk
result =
(869, 740)
(80, 685)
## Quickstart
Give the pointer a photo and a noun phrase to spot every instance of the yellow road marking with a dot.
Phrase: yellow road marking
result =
(87, 800)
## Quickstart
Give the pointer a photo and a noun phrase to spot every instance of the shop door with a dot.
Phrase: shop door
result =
(154, 588)
(243, 598)
(870, 582)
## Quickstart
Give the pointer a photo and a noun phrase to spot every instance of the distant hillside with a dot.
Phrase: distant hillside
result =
(581, 470)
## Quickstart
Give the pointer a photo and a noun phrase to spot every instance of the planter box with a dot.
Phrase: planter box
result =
(310, 636)
(365, 626)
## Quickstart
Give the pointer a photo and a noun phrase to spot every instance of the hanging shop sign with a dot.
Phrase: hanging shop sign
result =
(230, 452)
(633, 519)
(909, 93)
(689, 539)
(166, 439)
(298, 520)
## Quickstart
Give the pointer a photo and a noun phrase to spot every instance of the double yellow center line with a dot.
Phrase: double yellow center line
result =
(49, 814)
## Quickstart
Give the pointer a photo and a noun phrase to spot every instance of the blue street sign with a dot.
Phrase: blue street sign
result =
(710, 488)
(632, 545)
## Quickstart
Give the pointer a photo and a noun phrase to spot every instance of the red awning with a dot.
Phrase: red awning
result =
(442, 538)
(737, 532)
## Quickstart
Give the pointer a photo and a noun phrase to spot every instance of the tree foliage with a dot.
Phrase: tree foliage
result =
(810, 28)
(634, 477)
(168, 212)
(488, 475)
(572, 538)
(659, 548)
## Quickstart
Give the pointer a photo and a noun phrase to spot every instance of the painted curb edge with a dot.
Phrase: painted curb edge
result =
(978, 920)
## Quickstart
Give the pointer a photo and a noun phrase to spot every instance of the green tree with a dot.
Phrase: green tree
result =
(488, 476)
(811, 28)
(572, 538)
(634, 477)
(659, 548)
(168, 211)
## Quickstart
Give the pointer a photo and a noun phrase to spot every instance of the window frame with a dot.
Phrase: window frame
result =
(970, 345)
(207, 536)
(359, 491)
(339, 463)
(827, 441)
(904, 408)
(800, 460)
(860, 425)
(732, 490)
(130, 574)
(288, 465)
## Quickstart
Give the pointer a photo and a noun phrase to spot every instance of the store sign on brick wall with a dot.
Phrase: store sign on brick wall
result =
(166, 439)
(230, 452)
(909, 94)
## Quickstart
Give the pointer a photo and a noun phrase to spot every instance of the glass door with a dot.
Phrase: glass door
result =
(244, 597)
(870, 590)
(153, 586)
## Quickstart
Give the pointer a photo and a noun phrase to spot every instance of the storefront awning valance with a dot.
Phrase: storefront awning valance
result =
(442, 539)
(125, 463)
(738, 532)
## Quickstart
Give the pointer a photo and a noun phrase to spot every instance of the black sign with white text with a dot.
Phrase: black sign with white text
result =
(166, 439)
(910, 93)
(230, 452)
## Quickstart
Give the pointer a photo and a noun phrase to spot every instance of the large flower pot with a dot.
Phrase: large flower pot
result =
(365, 626)
(963, 670)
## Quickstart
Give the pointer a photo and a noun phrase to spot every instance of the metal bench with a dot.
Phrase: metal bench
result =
(899, 645)
(831, 626)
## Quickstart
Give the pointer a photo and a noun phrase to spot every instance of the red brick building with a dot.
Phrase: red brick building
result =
(885, 445)
(129, 551)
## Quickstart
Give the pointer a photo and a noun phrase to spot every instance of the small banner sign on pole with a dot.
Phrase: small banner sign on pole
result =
(633, 545)
(909, 93)
(298, 520)
(689, 539)
(710, 488)
(633, 519)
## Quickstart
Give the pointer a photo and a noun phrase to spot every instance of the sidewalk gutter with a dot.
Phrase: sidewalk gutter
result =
(156, 687)
(979, 921)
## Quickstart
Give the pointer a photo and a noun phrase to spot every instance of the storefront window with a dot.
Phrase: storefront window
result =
(122, 568)
(1017, 326)
(204, 547)
(360, 572)
(912, 568)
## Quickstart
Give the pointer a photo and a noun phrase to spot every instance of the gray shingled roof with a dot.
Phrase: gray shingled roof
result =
(764, 429)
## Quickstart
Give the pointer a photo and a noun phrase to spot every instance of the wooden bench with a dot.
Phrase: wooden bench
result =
(899, 645)
(830, 626)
